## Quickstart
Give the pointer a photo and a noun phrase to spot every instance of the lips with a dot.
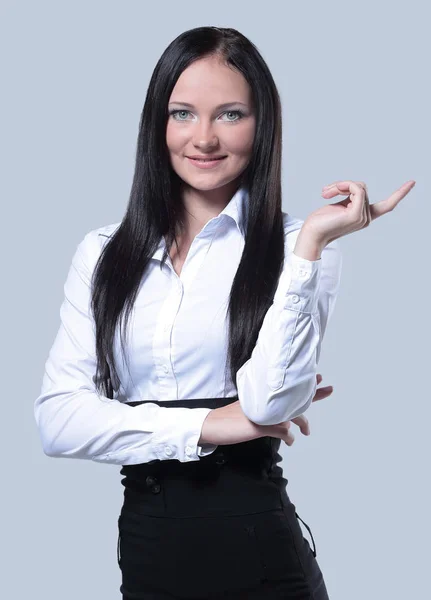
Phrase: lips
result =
(207, 163)
(206, 158)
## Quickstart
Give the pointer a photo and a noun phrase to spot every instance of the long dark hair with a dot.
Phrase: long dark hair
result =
(154, 207)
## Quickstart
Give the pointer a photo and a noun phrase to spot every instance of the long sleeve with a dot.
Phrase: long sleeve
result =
(75, 421)
(278, 382)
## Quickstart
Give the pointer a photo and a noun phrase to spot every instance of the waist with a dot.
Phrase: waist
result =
(236, 479)
(189, 402)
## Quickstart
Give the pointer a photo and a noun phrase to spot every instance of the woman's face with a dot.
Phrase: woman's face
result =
(201, 127)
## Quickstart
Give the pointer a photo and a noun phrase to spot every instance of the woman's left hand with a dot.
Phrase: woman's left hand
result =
(351, 214)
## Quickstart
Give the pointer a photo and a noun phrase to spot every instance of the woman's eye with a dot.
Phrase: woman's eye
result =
(235, 112)
(176, 113)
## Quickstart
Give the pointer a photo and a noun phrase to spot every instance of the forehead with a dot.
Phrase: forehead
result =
(210, 80)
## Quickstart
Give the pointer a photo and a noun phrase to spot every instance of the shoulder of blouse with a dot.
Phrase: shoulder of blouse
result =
(90, 246)
(106, 230)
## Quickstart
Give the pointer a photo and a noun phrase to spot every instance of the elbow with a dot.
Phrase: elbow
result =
(279, 408)
(52, 442)
(46, 439)
(50, 445)
(61, 444)
(265, 416)
(49, 450)
(56, 447)
(263, 419)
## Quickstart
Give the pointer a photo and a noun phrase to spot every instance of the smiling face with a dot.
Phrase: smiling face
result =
(199, 125)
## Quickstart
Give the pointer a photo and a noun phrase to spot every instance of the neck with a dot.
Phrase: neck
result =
(200, 206)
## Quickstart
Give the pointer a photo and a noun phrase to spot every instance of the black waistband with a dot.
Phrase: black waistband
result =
(142, 485)
(190, 402)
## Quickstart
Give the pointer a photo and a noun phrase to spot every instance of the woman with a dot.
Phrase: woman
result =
(194, 393)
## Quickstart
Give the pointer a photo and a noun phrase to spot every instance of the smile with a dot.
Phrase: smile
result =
(206, 164)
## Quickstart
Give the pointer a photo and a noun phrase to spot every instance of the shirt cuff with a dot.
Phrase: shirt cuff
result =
(178, 434)
(298, 287)
(206, 449)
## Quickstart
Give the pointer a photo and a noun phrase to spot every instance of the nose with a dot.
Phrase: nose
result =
(204, 136)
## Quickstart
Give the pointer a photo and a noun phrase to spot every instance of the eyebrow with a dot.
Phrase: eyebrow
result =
(219, 107)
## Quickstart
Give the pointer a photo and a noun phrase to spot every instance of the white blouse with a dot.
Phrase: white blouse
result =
(177, 347)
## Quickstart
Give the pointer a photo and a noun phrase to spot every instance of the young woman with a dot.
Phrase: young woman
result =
(187, 363)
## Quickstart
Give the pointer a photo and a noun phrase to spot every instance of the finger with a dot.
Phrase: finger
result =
(337, 182)
(366, 215)
(323, 392)
(330, 185)
(289, 439)
(356, 194)
(319, 378)
(367, 204)
(342, 187)
(302, 422)
(384, 206)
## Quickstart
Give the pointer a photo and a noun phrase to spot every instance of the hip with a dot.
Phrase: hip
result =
(248, 556)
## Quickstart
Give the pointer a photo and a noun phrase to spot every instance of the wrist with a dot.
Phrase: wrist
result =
(307, 247)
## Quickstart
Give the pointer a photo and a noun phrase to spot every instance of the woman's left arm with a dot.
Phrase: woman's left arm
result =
(278, 382)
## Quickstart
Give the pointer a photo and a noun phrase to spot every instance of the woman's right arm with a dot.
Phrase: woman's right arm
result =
(75, 421)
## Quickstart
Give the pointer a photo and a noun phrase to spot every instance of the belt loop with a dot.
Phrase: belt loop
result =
(314, 545)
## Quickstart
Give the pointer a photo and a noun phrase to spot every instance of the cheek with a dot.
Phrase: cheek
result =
(240, 141)
(175, 138)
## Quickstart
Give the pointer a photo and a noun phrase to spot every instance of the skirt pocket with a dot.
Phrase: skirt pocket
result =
(278, 550)
(306, 556)
(119, 542)
(190, 557)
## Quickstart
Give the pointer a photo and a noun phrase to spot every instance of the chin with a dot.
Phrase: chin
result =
(206, 186)
(207, 181)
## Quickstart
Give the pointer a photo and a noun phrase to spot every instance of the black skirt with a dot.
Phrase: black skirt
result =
(221, 527)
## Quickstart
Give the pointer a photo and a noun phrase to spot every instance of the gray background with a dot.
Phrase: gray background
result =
(355, 92)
